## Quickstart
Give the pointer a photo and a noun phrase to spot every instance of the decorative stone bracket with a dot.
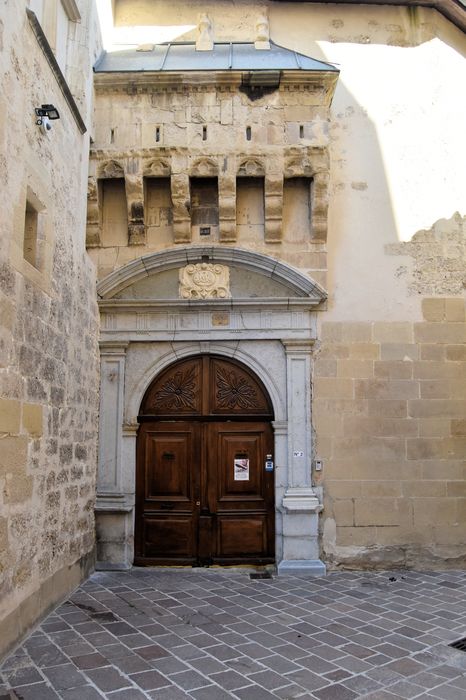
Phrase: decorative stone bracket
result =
(135, 203)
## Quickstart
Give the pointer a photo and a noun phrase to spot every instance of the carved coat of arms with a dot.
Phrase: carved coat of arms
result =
(205, 281)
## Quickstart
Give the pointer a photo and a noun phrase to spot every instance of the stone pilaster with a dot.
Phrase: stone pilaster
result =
(114, 503)
(300, 505)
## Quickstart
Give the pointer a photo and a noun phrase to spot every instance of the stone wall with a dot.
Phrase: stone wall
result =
(388, 377)
(48, 332)
(389, 413)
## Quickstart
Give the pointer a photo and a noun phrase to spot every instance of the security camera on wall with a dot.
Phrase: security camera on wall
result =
(45, 124)
(45, 114)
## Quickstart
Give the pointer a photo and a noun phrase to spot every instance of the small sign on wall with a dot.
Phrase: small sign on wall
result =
(241, 469)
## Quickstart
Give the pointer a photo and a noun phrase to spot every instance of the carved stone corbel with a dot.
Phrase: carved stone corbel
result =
(273, 192)
(227, 207)
(319, 206)
(135, 203)
(181, 205)
(93, 228)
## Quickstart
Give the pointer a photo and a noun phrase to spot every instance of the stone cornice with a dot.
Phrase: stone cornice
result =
(133, 82)
(161, 305)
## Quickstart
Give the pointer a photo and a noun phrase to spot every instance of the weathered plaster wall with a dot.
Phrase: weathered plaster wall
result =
(48, 333)
(388, 380)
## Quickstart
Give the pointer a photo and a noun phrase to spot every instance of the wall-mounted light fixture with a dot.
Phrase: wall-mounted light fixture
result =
(45, 114)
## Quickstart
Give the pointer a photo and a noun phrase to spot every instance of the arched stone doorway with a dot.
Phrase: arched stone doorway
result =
(267, 324)
(205, 481)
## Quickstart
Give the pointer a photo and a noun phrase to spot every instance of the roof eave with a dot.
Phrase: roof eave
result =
(135, 81)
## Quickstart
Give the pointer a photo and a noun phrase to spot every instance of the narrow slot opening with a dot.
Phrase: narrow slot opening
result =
(301, 131)
(158, 210)
(157, 134)
(204, 204)
(204, 133)
(114, 213)
(250, 208)
(248, 133)
(297, 214)
(112, 135)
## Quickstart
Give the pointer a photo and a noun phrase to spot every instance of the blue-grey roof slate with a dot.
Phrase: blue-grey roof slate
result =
(183, 57)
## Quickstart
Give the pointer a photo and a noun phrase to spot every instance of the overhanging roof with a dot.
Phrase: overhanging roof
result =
(225, 56)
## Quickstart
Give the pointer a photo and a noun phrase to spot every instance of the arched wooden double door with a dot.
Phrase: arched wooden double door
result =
(205, 482)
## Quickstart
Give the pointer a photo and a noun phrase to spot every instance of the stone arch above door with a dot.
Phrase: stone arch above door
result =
(283, 280)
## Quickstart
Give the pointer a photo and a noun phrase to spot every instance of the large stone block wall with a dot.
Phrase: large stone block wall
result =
(389, 413)
(48, 337)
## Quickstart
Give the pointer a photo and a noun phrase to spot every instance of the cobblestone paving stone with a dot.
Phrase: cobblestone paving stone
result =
(209, 634)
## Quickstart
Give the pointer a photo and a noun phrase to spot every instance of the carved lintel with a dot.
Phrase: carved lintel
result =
(111, 169)
(205, 281)
(251, 168)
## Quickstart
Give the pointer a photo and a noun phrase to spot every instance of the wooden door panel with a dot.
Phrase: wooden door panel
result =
(168, 473)
(242, 536)
(167, 493)
(168, 537)
(233, 390)
(240, 456)
(241, 502)
(202, 492)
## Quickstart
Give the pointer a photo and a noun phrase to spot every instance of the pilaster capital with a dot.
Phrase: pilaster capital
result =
(113, 348)
(298, 347)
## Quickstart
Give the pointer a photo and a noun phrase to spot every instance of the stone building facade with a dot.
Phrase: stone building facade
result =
(275, 219)
(49, 319)
(314, 183)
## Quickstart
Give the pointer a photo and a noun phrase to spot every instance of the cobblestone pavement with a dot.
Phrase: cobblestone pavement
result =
(210, 634)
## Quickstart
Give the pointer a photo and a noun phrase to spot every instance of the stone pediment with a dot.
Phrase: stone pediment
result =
(252, 278)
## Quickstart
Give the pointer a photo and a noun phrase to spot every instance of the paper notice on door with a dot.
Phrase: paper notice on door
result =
(241, 469)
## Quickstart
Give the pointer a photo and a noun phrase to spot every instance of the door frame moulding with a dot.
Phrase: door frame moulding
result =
(275, 343)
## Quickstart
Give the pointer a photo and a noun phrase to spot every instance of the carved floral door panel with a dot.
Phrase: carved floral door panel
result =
(203, 492)
(206, 386)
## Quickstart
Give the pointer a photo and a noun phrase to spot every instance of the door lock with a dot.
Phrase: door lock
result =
(198, 503)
